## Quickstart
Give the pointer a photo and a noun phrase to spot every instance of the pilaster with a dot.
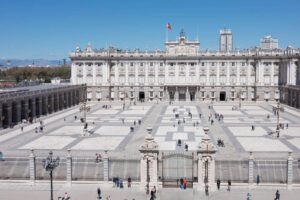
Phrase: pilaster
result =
(69, 167)
(105, 167)
(32, 165)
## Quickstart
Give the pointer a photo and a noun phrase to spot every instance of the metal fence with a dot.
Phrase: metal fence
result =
(14, 169)
(296, 171)
(124, 168)
(236, 171)
(270, 171)
(171, 168)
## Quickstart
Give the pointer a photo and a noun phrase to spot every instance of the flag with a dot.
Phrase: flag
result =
(169, 26)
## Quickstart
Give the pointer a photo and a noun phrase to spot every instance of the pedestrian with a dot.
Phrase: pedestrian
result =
(107, 198)
(257, 179)
(218, 184)
(252, 127)
(36, 129)
(229, 185)
(287, 125)
(206, 189)
(184, 183)
(66, 197)
(186, 147)
(99, 193)
(249, 197)
(1, 156)
(277, 195)
(181, 183)
(153, 193)
(129, 182)
(64, 119)
(121, 183)
(22, 128)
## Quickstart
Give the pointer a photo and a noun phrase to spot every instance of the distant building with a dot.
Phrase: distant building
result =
(226, 40)
(267, 42)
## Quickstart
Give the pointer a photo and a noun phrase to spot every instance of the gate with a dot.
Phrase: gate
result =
(176, 165)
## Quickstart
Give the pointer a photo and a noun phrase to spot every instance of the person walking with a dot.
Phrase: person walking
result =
(277, 195)
(99, 193)
(129, 182)
(257, 179)
(229, 185)
(249, 197)
(153, 193)
(181, 183)
(184, 183)
(218, 184)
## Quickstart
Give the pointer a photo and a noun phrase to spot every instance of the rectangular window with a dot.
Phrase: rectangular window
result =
(131, 64)
(202, 64)
(223, 64)
(151, 64)
(161, 64)
(151, 94)
(161, 94)
(233, 64)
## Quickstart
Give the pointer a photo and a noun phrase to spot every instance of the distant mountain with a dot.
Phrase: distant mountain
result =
(27, 62)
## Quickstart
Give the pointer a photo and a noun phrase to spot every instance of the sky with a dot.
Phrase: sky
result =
(50, 29)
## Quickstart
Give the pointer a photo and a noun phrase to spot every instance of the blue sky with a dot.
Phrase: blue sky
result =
(52, 28)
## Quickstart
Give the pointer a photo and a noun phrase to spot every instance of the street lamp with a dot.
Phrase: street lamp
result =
(240, 99)
(50, 164)
(84, 108)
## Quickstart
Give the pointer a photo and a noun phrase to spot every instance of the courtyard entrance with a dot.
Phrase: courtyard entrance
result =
(172, 94)
(141, 96)
(182, 95)
(223, 96)
(192, 96)
(177, 165)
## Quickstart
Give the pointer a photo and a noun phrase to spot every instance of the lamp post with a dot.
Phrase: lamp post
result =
(148, 177)
(206, 129)
(240, 99)
(84, 108)
(50, 164)
(277, 127)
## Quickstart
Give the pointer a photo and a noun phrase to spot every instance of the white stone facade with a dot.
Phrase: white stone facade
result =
(183, 72)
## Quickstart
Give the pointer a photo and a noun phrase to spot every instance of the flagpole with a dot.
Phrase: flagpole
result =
(167, 34)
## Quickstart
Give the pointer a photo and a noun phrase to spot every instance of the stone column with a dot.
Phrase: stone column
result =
(238, 81)
(251, 169)
(1, 116)
(40, 104)
(272, 73)
(9, 114)
(290, 170)
(207, 74)
(187, 95)
(218, 73)
(69, 167)
(32, 171)
(227, 74)
(166, 94)
(25, 109)
(45, 105)
(176, 95)
(149, 157)
(18, 111)
(33, 108)
(105, 167)
(206, 163)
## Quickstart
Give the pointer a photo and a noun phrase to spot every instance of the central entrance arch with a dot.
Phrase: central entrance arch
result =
(142, 96)
(177, 165)
(222, 96)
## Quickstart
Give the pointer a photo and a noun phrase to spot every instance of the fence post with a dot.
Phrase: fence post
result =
(105, 166)
(251, 169)
(69, 167)
(290, 170)
(32, 171)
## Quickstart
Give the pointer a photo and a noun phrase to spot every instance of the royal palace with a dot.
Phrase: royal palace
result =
(183, 72)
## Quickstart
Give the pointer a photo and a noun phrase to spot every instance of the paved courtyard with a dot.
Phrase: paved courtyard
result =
(110, 129)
